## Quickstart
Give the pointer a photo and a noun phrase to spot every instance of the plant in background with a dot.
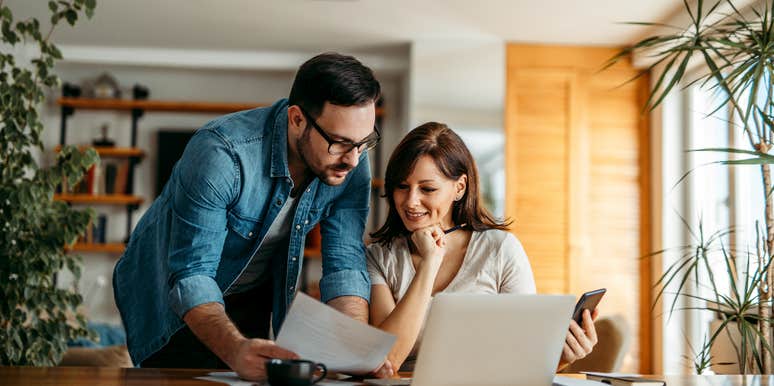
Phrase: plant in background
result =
(36, 318)
(738, 56)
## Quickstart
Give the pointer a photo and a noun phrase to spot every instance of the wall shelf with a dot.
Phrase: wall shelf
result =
(100, 199)
(155, 105)
(115, 248)
(112, 152)
(163, 105)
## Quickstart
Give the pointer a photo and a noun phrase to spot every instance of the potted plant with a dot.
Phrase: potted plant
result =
(36, 317)
(736, 48)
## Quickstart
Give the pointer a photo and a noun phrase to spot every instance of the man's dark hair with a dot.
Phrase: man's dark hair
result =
(338, 79)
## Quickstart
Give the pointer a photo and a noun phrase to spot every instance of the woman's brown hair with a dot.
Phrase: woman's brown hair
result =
(453, 159)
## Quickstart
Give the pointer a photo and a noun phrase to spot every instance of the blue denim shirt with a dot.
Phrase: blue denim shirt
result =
(220, 201)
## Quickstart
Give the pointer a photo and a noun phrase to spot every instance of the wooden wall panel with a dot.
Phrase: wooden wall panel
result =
(576, 140)
(614, 115)
(538, 141)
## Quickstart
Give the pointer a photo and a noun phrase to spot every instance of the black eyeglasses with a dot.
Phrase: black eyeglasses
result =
(343, 147)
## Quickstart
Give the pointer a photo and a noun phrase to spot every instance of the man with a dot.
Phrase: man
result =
(220, 249)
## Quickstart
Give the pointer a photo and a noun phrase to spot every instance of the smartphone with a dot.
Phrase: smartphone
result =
(587, 301)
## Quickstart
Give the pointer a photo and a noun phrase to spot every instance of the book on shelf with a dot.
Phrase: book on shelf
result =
(95, 231)
(100, 228)
(109, 177)
(620, 379)
(88, 235)
(122, 176)
(93, 180)
(111, 170)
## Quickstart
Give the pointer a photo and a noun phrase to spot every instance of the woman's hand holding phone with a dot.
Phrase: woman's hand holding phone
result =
(582, 335)
(579, 342)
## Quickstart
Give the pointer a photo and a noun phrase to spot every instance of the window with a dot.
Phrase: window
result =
(707, 195)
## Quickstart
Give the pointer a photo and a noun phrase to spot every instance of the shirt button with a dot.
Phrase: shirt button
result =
(308, 190)
(298, 226)
(306, 222)
(291, 288)
(293, 258)
(250, 234)
(279, 202)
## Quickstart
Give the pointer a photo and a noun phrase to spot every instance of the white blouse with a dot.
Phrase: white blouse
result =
(495, 262)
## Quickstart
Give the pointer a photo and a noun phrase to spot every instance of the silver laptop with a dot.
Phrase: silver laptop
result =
(492, 340)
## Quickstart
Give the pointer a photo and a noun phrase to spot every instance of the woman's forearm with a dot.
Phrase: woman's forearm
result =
(405, 321)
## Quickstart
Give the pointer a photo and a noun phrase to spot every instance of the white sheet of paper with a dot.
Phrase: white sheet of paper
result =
(322, 334)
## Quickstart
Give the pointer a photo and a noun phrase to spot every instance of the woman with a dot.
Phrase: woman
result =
(438, 238)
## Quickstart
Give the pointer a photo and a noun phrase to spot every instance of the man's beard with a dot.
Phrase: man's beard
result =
(301, 146)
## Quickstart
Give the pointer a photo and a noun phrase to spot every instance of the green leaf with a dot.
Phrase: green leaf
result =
(5, 14)
(90, 5)
(71, 16)
(731, 151)
(748, 161)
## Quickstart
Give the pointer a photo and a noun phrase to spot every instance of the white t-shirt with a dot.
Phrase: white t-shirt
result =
(494, 263)
(274, 243)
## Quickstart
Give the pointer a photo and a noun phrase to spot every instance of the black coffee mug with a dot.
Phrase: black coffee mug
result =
(293, 372)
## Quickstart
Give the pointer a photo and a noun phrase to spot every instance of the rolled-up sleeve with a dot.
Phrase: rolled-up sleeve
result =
(193, 291)
(206, 184)
(344, 266)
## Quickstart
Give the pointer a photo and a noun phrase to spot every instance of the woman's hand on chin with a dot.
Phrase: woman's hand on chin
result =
(430, 244)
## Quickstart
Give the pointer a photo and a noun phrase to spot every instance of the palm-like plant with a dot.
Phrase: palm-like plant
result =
(737, 48)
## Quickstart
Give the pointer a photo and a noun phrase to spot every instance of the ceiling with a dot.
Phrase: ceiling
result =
(304, 25)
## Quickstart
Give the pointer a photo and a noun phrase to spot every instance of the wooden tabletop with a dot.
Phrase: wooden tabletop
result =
(16, 376)
(107, 376)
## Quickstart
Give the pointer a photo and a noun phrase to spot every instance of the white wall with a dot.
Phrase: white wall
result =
(462, 84)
